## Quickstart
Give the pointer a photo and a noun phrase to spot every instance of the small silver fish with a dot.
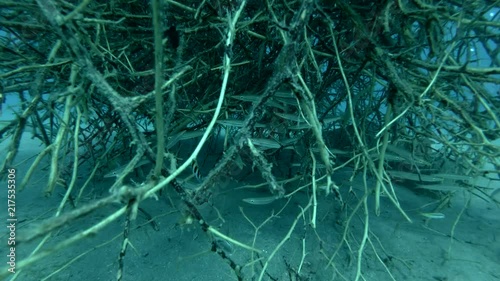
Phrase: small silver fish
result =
(415, 177)
(469, 179)
(291, 117)
(251, 98)
(225, 245)
(261, 200)
(407, 155)
(286, 101)
(116, 172)
(284, 94)
(441, 187)
(183, 135)
(433, 215)
(237, 123)
(266, 143)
